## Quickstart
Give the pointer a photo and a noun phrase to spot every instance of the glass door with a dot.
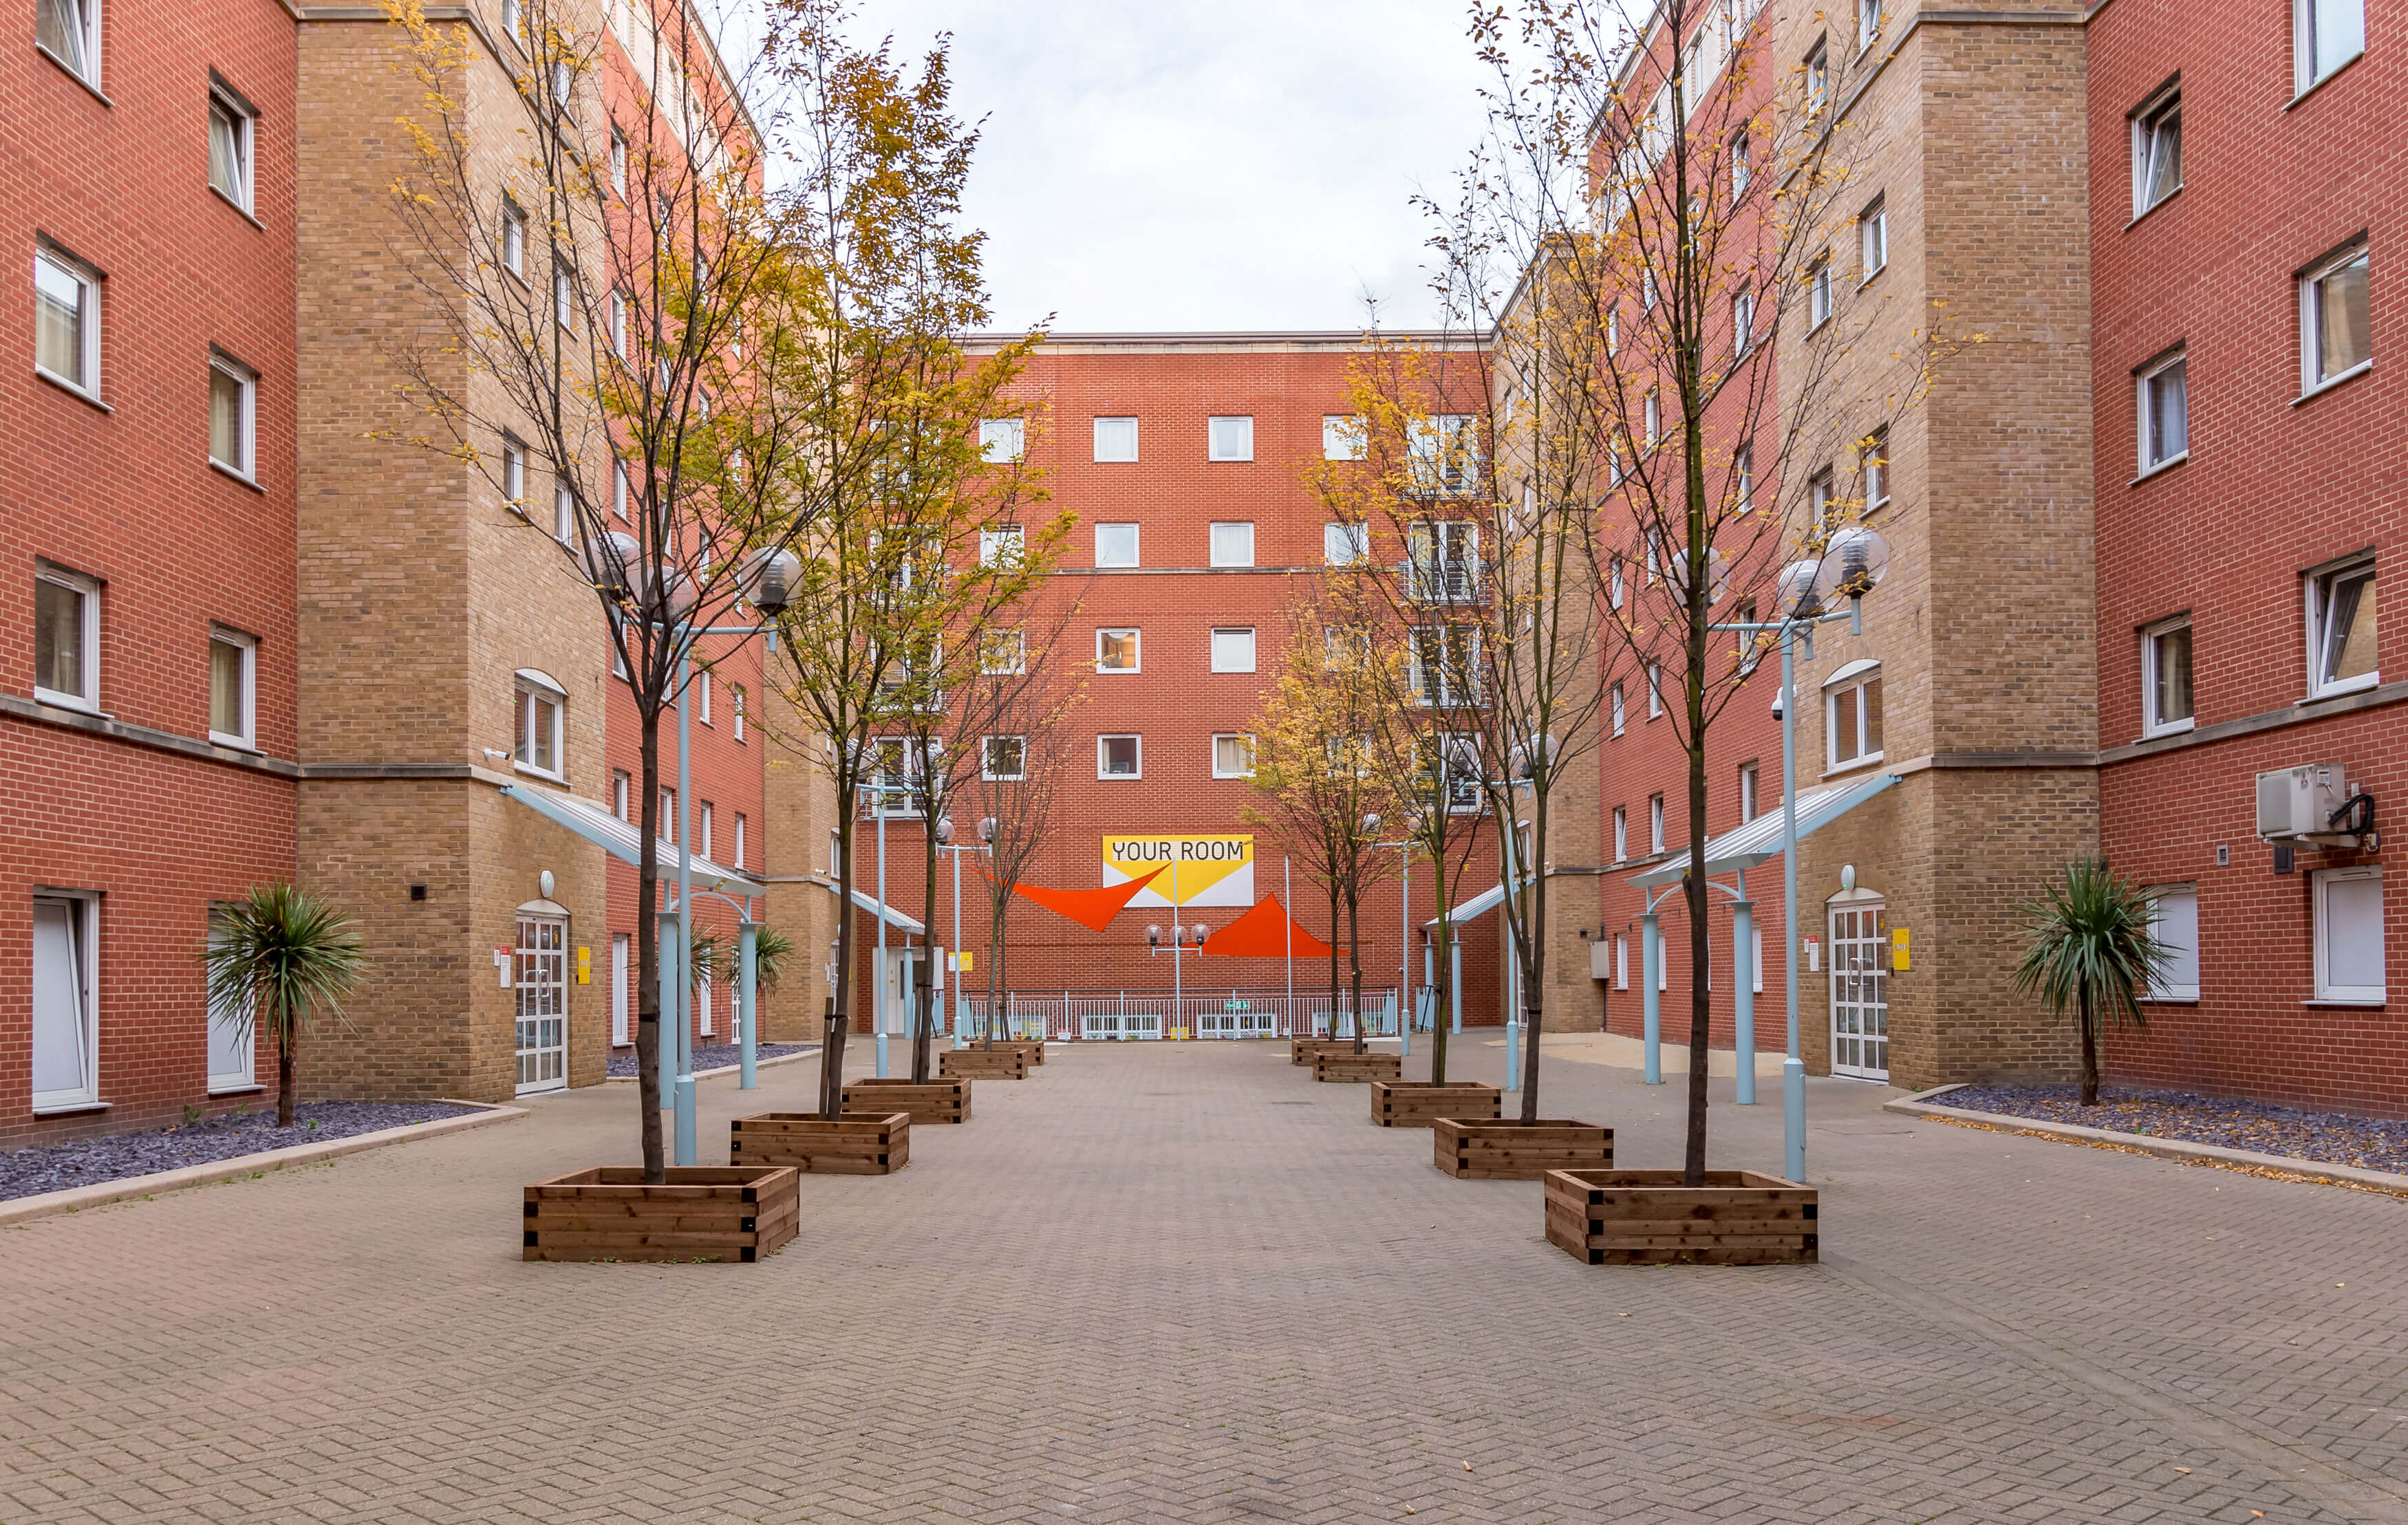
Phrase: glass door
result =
(1860, 991)
(541, 980)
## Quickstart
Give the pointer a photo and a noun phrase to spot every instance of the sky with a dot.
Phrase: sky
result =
(1204, 164)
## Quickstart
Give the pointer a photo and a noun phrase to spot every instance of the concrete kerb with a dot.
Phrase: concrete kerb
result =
(1920, 1105)
(812, 1052)
(24, 1209)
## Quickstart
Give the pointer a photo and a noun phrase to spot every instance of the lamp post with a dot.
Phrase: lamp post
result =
(945, 843)
(1405, 930)
(1852, 563)
(1519, 774)
(1178, 936)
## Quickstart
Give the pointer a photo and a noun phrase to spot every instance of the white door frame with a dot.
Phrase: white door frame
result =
(82, 917)
(539, 993)
(892, 997)
(227, 1043)
(1860, 983)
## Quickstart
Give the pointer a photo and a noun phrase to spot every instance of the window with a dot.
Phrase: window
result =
(1613, 329)
(2335, 336)
(1118, 757)
(1233, 757)
(1345, 648)
(1342, 437)
(2173, 920)
(619, 782)
(542, 706)
(1445, 451)
(1003, 440)
(564, 83)
(1459, 771)
(564, 300)
(618, 161)
(1001, 546)
(702, 830)
(1116, 652)
(66, 638)
(1233, 544)
(234, 410)
(1620, 832)
(1229, 438)
(1742, 168)
(1873, 458)
(1654, 419)
(1647, 289)
(230, 1027)
(702, 686)
(234, 675)
(1751, 644)
(2164, 413)
(735, 710)
(564, 513)
(1115, 440)
(513, 239)
(230, 147)
(1818, 294)
(513, 473)
(1746, 792)
(2327, 34)
(1873, 240)
(65, 1048)
(1818, 79)
(2341, 629)
(1655, 823)
(1345, 545)
(1233, 650)
(1003, 653)
(2157, 148)
(1621, 962)
(2349, 934)
(618, 324)
(1617, 709)
(1445, 663)
(1742, 321)
(1820, 498)
(1004, 758)
(1445, 557)
(1654, 690)
(1115, 545)
(69, 31)
(67, 291)
(893, 785)
(514, 17)
(2165, 677)
(1852, 713)
(1869, 19)
(669, 827)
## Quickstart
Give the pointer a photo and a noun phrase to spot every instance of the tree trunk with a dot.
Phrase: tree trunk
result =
(832, 1062)
(1354, 962)
(840, 1001)
(1333, 959)
(1442, 984)
(1693, 897)
(647, 950)
(286, 1073)
(924, 1000)
(1533, 964)
(2089, 1050)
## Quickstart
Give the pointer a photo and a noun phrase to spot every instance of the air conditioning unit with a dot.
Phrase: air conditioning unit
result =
(2299, 801)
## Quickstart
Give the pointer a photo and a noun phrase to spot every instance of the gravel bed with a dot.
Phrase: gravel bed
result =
(87, 1161)
(2329, 1138)
(710, 1056)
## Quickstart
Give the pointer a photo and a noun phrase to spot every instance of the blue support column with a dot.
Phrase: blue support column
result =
(670, 956)
(1455, 988)
(749, 999)
(1651, 960)
(1744, 995)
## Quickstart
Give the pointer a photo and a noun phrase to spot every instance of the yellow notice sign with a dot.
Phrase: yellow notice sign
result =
(1209, 870)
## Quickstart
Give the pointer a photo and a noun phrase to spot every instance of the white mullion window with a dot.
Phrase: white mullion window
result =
(231, 144)
(1873, 240)
(2325, 35)
(2165, 677)
(65, 1058)
(1120, 757)
(2173, 921)
(1003, 759)
(2157, 148)
(539, 727)
(1620, 832)
(69, 31)
(1233, 542)
(1118, 650)
(1116, 544)
(66, 638)
(1116, 440)
(2349, 955)
(1655, 823)
(1818, 294)
(2163, 411)
(1851, 716)
(1229, 438)
(1233, 649)
(2341, 629)
(1233, 756)
(514, 239)
(1002, 441)
(234, 689)
(66, 298)
(234, 416)
(2336, 326)
(1342, 437)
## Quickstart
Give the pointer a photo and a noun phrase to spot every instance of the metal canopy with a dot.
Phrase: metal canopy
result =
(1473, 909)
(887, 913)
(624, 841)
(1759, 840)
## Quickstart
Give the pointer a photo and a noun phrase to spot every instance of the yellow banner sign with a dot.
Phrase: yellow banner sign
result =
(1196, 870)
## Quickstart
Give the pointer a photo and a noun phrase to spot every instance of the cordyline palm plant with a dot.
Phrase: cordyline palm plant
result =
(276, 958)
(2090, 949)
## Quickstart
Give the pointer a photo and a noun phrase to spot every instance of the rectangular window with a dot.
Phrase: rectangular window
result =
(1742, 169)
(1003, 758)
(2327, 34)
(619, 489)
(1118, 757)
(2173, 920)
(1751, 642)
(1116, 652)
(1229, 438)
(66, 638)
(1821, 499)
(735, 710)
(564, 300)
(1746, 792)
(2336, 335)
(513, 239)
(1613, 581)
(1342, 437)
(67, 294)
(1621, 962)
(1002, 441)
(1001, 546)
(1345, 648)
(2341, 629)
(2164, 412)
(618, 789)
(1654, 690)
(702, 830)
(1617, 709)
(1345, 545)
(513, 473)
(230, 148)
(1873, 240)
(1818, 79)
(1852, 713)
(1873, 457)
(1233, 543)
(234, 412)
(65, 1047)
(2157, 148)
(1233, 757)
(234, 678)
(1002, 653)
(618, 161)
(1742, 321)
(539, 714)
(564, 513)
(1445, 451)
(619, 323)
(1233, 649)
(1445, 556)
(1620, 832)
(2349, 934)
(2165, 677)
(1115, 440)
(1869, 19)
(1654, 418)
(1116, 544)
(1818, 294)
(622, 1031)
(1655, 823)
(668, 832)
(230, 1028)
(69, 31)
(702, 686)
(1444, 665)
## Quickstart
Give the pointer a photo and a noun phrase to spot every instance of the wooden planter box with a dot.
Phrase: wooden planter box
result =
(1031, 1046)
(704, 1213)
(1518, 1151)
(1417, 1104)
(996, 1063)
(1354, 1068)
(1305, 1050)
(938, 1101)
(856, 1143)
(1647, 1216)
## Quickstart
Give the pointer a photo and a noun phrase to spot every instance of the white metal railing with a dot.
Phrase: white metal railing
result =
(1064, 1016)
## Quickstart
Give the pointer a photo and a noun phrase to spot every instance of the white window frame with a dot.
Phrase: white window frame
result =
(1873, 461)
(88, 40)
(1742, 321)
(1747, 784)
(702, 832)
(88, 318)
(88, 632)
(2149, 123)
(1135, 558)
(2307, 70)
(619, 328)
(1219, 664)
(528, 689)
(85, 928)
(564, 299)
(1655, 823)
(1229, 436)
(1873, 239)
(1345, 545)
(1138, 741)
(1654, 690)
(2320, 584)
(621, 785)
(1341, 436)
(2311, 359)
(1003, 441)
(1869, 20)
(242, 1037)
(619, 161)
(1226, 529)
(736, 711)
(246, 701)
(238, 113)
(1849, 681)
(1621, 960)
(1818, 294)
(1241, 736)
(619, 490)
(1115, 420)
(1619, 709)
(514, 473)
(986, 759)
(987, 649)
(1621, 834)
(2152, 722)
(1818, 78)
(514, 237)
(2154, 457)
(246, 426)
(2322, 883)
(702, 686)
(2159, 894)
(1136, 647)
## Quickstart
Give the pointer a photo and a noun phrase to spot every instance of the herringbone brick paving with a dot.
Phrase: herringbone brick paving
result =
(1172, 1282)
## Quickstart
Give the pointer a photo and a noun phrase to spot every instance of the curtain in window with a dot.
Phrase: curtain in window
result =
(225, 152)
(2349, 627)
(59, 297)
(2344, 338)
(60, 28)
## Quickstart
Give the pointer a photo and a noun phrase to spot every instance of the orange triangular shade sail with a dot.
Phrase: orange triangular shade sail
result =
(1093, 910)
(1262, 933)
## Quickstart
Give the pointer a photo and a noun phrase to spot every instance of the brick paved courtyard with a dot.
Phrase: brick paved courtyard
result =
(1183, 1282)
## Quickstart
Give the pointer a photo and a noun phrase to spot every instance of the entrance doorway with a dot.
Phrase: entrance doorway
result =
(899, 991)
(541, 980)
(1860, 989)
